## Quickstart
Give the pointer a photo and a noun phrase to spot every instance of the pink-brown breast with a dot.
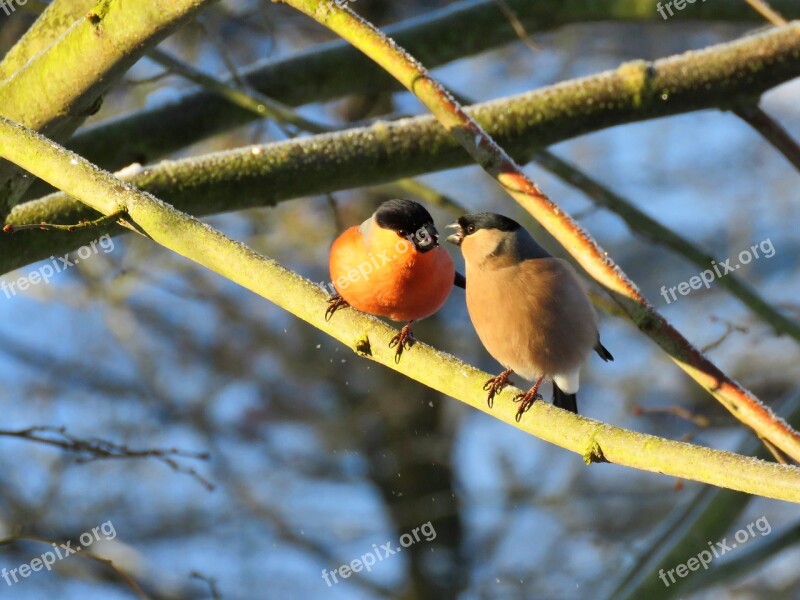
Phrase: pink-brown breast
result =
(533, 317)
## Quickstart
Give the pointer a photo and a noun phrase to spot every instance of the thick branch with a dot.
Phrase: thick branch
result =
(54, 20)
(55, 91)
(369, 337)
(333, 70)
(260, 176)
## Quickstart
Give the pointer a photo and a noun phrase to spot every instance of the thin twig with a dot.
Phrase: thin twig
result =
(766, 11)
(85, 224)
(772, 131)
(250, 100)
(335, 213)
(147, 80)
(676, 411)
(92, 449)
(517, 25)
(730, 328)
(211, 582)
(223, 53)
(126, 578)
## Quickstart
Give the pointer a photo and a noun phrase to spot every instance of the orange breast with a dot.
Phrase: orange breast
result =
(386, 276)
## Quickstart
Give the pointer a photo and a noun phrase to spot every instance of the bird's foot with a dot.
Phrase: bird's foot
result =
(403, 340)
(527, 399)
(335, 302)
(495, 385)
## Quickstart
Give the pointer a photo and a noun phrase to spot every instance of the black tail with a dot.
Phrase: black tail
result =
(563, 400)
(602, 351)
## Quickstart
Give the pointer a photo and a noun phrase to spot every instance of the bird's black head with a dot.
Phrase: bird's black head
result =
(469, 224)
(409, 220)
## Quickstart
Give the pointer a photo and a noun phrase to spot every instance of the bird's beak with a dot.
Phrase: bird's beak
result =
(458, 236)
(427, 238)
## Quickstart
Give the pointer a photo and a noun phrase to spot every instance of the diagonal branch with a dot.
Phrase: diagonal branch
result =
(766, 11)
(368, 337)
(645, 225)
(495, 161)
(56, 17)
(772, 131)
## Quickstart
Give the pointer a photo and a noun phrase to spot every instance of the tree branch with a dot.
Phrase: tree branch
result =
(496, 162)
(657, 233)
(772, 131)
(767, 12)
(368, 337)
(332, 70)
(88, 450)
(54, 92)
(53, 21)
(263, 175)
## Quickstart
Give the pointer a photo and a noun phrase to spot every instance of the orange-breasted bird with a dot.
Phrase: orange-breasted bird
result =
(392, 266)
(528, 308)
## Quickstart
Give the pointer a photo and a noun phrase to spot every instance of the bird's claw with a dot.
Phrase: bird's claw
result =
(334, 303)
(526, 400)
(495, 385)
(404, 339)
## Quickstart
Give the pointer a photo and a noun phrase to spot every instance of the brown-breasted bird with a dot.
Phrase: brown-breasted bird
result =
(528, 308)
(392, 266)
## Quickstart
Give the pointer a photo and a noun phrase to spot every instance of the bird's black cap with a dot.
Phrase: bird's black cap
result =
(410, 220)
(472, 222)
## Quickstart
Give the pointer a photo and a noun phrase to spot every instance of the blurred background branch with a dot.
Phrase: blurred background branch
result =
(383, 152)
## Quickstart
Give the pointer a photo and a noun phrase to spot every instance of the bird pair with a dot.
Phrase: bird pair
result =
(528, 308)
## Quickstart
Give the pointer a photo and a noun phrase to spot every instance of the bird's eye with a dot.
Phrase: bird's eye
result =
(470, 228)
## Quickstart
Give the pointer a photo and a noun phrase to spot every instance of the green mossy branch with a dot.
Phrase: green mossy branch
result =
(499, 165)
(58, 88)
(56, 18)
(200, 243)
(335, 69)
(387, 151)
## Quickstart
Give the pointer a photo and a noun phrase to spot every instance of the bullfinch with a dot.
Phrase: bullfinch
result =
(392, 266)
(528, 308)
